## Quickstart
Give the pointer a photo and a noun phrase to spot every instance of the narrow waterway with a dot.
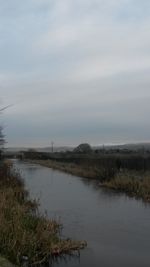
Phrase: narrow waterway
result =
(116, 227)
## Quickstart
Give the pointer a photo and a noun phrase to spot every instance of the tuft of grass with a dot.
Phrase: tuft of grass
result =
(24, 233)
(130, 183)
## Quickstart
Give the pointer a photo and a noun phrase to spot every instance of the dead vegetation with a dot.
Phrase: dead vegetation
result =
(24, 233)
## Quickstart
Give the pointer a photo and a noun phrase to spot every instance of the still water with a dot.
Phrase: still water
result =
(116, 227)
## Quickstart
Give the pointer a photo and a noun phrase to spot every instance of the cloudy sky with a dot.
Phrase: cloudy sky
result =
(75, 71)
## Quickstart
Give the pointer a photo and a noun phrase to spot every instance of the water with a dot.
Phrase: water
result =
(116, 227)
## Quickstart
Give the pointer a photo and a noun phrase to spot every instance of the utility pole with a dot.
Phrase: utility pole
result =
(52, 146)
(103, 148)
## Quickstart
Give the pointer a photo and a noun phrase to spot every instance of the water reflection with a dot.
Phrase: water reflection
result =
(115, 226)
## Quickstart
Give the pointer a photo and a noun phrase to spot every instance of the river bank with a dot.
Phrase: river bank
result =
(111, 223)
(71, 168)
(25, 234)
(133, 183)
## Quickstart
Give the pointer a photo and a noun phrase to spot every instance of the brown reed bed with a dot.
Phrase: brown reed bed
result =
(24, 233)
(137, 185)
(134, 183)
(86, 171)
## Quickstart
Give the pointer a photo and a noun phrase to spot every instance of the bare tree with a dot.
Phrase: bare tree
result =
(2, 136)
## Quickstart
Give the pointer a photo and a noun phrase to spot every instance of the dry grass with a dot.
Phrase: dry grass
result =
(86, 171)
(23, 232)
(132, 184)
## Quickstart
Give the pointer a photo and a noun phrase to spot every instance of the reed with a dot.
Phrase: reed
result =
(24, 233)
(134, 184)
(86, 171)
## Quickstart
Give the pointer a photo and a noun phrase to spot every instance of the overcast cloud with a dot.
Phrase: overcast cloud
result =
(75, 71)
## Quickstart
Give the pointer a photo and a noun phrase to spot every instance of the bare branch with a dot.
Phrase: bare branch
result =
(5, 107)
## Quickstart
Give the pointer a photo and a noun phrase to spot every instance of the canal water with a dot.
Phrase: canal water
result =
(116, 227)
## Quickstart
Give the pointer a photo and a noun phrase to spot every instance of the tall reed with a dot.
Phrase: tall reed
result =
(24, 233)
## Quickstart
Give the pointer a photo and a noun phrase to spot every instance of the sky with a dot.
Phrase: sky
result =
(75, 71)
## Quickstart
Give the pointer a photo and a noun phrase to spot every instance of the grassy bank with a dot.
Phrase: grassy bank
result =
(24, 233)
(134, 183)
(86, 171)
(137, 185)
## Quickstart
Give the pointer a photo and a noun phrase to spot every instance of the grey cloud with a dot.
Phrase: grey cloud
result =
(75, 70)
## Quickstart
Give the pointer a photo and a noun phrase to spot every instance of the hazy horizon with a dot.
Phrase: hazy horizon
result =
(75, 71)
(75, 145)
